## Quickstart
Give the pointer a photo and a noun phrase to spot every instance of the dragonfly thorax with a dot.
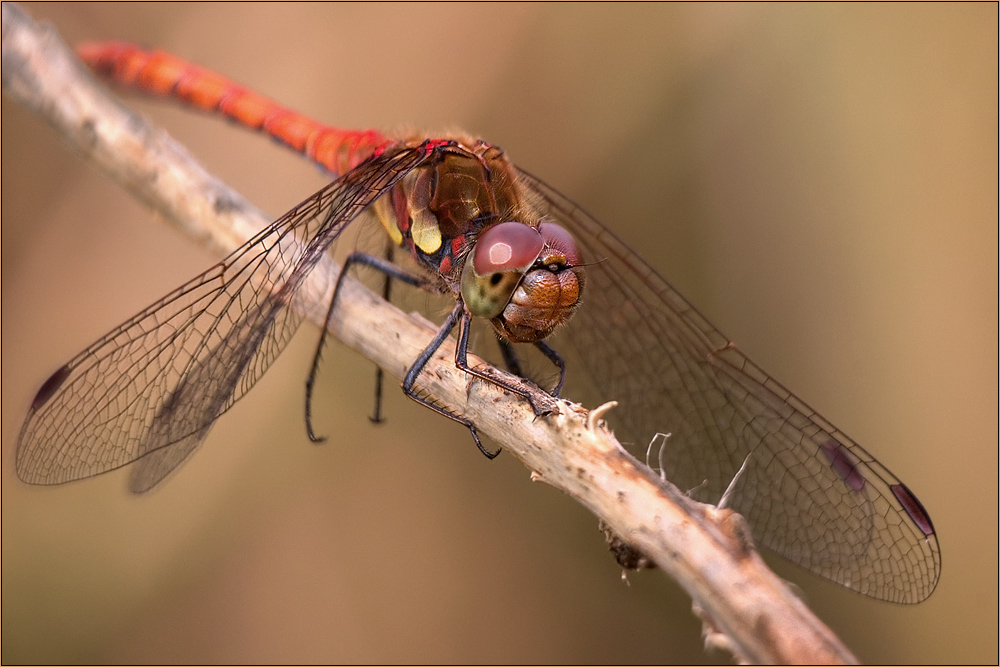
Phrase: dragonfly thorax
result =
(464, 216)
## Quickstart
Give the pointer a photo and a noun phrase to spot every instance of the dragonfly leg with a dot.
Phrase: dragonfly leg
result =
(391, 271)
(461, 360)
(513, 365)
(556, 359)
(510, 359)
(418, 366)
(376, 416)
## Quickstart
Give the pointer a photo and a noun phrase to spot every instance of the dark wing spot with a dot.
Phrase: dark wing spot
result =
(49, 388)
(913, 507)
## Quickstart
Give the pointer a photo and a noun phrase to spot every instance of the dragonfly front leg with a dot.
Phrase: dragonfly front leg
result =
(461, 360)
(391, 271)
(418, 366)
(459, 312)
(513, 364)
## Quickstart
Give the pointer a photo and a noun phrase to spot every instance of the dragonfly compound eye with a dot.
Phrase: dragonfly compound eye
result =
(560, 242)
(549, 291)
(498, 262)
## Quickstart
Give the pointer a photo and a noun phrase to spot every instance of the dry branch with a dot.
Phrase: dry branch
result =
(708, 551)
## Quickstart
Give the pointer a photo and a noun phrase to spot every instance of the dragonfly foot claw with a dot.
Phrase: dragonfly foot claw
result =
(487, 453)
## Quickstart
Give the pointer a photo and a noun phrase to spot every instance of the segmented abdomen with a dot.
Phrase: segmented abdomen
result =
(163, 74)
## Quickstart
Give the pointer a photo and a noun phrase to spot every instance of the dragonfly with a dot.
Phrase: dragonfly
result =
(508, 249)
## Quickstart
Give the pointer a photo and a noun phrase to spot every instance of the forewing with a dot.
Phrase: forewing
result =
(155, 385)
(809, 492)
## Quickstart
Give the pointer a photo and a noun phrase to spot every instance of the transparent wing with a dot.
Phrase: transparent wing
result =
(154, 386)
(809, 492)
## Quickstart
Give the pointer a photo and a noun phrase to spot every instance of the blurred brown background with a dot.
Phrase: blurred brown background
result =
(820, 180)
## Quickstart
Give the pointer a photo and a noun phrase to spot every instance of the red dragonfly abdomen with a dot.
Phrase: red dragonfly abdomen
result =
(163, 74)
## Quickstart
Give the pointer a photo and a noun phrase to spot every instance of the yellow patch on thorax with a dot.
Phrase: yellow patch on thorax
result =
(387, 216)
(425, 231)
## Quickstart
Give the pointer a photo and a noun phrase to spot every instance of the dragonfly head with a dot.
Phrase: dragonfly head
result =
(526, 280)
